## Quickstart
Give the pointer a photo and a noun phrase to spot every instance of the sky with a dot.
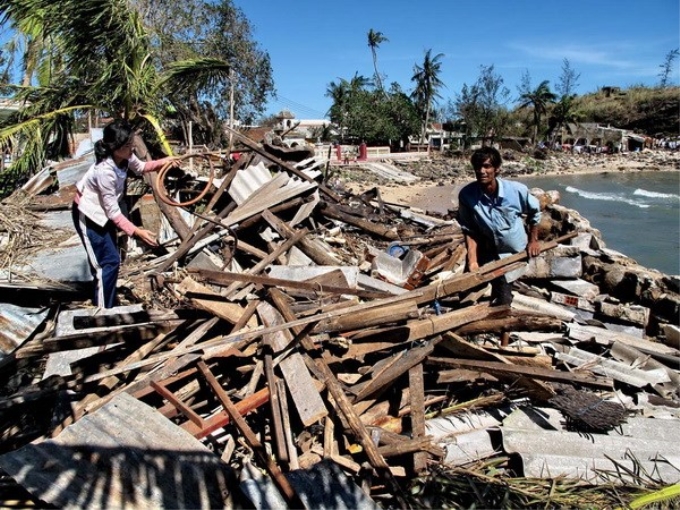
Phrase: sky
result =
(312, 43)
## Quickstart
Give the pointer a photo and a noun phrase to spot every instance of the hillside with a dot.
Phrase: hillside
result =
(652, 111)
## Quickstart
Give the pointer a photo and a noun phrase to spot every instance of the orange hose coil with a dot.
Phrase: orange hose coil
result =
(163, 193)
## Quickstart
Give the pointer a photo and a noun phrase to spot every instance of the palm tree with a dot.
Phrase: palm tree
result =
(563, 112)
(100, 59)
(428, 83)
(342, 94)
(539, 99)
(374, 40)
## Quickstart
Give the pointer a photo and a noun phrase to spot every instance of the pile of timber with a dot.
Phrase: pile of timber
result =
(294, 334)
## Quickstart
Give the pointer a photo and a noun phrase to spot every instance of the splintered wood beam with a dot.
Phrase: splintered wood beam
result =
(359, 430)
(416, 387)
(518, 321)
(204, 298)
(223, 278)
(419, 446)
(428, 326)
(287, 429)
(403, 365)
(394, 312)
(496, 368)
(307, 401)
(272, 468)
(275, 407)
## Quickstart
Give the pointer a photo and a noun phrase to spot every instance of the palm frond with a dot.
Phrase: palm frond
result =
(159, 131)
(33, 123)
(665, 495)
(195, 73)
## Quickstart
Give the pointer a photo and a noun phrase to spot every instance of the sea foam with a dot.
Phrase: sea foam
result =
(655, 194)
(608, 197)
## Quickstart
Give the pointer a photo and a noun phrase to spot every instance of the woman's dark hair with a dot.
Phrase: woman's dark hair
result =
(116, 134)
(481, 155)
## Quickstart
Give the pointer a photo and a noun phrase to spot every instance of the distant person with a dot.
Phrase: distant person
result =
(96, 208)
(490, 213)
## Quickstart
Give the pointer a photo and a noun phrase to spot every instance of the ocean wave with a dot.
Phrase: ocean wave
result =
(607, 197)
(655, 194)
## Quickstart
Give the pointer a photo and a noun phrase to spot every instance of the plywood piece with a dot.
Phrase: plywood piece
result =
(307, 401)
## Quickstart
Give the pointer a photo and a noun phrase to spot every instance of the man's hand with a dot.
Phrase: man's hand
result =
(473, 266)
(533, 248)
(147, 236)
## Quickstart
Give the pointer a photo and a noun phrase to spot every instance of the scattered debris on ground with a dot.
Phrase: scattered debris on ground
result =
(291, 343)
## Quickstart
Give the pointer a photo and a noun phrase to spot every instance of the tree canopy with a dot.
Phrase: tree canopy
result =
(104, 56)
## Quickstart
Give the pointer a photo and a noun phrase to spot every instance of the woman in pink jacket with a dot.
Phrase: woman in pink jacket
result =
(96, 209)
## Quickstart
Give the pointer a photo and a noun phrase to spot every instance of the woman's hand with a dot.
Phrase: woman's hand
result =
(147, 236)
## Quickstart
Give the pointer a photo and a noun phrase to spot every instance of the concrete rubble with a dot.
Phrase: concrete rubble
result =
(291, 344)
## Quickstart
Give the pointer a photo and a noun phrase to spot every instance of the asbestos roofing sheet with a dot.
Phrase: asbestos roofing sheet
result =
(125, 455)
(465, 437)
(642, 445)
(634, 376)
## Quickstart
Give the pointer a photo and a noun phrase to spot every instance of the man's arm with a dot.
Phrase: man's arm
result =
(534, 247)
(533, 212)
(471, 245)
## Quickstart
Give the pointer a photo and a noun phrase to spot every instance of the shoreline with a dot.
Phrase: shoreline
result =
(429, 194)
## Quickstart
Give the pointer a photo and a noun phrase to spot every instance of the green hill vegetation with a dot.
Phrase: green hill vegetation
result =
(653, 111)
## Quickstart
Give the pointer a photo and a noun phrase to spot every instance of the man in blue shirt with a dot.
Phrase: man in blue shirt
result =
(490, 213)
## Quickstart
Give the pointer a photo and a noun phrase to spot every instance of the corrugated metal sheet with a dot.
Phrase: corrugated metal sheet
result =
(273, 192)
(69, 172)
(643, 446)
(17, 323)
(125, 455)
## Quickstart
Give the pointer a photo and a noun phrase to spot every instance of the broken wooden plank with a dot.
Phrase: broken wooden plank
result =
(222, 418)
(416, 386)
(222, 277)
(409, 360)
(272, 468)
(275, 408)
(335, 213)
(308, 402)
(498, 368)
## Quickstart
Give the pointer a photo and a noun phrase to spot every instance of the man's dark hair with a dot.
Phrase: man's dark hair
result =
(481, 155)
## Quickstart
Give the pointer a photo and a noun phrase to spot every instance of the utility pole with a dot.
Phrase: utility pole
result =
(231, 107)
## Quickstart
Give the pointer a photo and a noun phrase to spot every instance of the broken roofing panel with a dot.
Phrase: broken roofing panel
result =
(643, 446)
(126, 455)
(17, 323)
(465, 437)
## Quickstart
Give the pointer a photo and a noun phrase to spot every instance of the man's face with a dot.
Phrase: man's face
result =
(487, 173)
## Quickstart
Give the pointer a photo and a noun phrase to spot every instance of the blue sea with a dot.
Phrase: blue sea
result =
(638, 213)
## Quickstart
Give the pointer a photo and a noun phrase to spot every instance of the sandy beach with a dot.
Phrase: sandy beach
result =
(434, 194)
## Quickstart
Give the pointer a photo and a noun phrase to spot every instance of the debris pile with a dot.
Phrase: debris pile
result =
(291, 344)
